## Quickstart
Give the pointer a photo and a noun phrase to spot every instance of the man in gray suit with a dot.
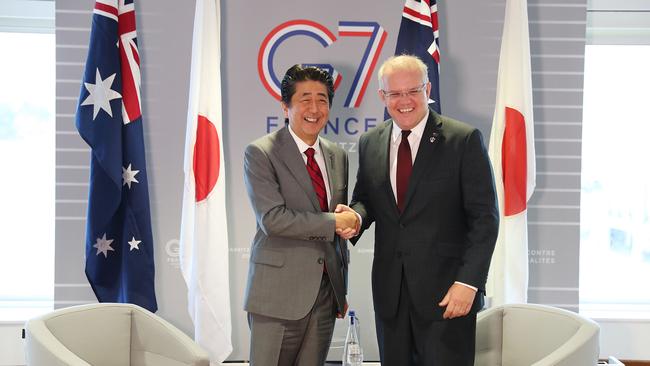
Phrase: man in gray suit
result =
(296, 182)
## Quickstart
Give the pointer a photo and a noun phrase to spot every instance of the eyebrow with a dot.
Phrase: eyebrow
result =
(310, 93)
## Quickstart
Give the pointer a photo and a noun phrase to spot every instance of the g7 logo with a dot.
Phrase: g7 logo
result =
(301, 27)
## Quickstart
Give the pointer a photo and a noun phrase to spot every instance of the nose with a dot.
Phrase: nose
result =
(313, 106)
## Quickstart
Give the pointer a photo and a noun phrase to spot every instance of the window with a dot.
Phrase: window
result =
(615, 197)
(27, 137)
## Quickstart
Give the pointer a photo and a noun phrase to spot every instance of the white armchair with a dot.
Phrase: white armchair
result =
(108, 335)
(539, 335)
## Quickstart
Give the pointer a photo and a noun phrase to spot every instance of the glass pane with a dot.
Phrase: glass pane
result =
(615, 207)
(27, 160)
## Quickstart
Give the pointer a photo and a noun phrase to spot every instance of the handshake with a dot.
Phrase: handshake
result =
(347, 221)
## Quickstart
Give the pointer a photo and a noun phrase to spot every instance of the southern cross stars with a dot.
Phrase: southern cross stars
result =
(128, 176)
(103, 245)
(134, 244)
(101, 94)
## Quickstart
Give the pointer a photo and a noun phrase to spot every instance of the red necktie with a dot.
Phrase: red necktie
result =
(404, 167)
(316, 179)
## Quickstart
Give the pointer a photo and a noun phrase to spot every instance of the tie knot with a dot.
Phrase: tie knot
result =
(310, 152)
(405, 134)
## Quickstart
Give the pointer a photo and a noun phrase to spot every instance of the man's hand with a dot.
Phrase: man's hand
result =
(345, 311)
(458, 300)
(347, 222)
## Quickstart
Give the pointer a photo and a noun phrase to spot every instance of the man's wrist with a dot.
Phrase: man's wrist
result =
(466, 285)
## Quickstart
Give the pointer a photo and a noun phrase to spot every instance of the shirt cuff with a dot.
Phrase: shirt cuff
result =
(466, 285)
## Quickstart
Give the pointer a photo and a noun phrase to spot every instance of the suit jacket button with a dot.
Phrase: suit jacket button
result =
(320, 261)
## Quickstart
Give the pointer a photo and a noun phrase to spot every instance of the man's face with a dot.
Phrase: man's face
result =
(405, 97)
(309, 110)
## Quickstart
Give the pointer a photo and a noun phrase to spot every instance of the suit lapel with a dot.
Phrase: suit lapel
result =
(382, 153)
(292, 158)
(328, 156)
(428, 143)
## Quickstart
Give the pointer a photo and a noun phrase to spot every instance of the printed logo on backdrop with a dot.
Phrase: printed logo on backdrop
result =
(541, 256)
(172, 248)
(365, 68)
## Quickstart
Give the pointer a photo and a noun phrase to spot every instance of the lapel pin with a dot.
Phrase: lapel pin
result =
(432, 139)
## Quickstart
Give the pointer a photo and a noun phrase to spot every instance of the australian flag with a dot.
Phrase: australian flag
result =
(119, 243)
(418, 36)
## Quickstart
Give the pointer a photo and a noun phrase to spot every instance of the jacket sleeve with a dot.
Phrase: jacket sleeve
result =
(480, 205)
(271, 212)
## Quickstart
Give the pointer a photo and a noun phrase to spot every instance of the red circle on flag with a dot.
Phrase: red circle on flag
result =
(206, 158)
(514, 162)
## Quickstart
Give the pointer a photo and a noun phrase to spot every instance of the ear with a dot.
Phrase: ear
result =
(381, 96)
(285, 109)
(428, 89)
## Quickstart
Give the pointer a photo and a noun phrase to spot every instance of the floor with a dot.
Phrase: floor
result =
(327, 364)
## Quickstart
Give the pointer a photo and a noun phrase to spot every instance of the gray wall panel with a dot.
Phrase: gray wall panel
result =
(558, 165)
(548, 147)
(558, 114)
(557, 181)
(70, 140)
(561, 212)
(68, 157)
(567, 61)
(558, 131)
(81, 292)
(556, 96)
(69, 193)
(68, 71)
(544, 197)
(67, 107)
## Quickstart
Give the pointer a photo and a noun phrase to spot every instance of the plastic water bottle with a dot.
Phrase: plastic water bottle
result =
(357, 323)
(352, 352)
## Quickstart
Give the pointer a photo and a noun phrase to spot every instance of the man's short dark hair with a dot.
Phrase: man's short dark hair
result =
(298, 73)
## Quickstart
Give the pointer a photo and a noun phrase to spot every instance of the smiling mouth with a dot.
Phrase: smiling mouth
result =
(311, 120)
(405, 110)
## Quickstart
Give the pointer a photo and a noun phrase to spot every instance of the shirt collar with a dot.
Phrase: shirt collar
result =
(302, 146)
(418, 130)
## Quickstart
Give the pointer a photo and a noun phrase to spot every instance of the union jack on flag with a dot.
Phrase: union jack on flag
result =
(418, 36)
(119, 242)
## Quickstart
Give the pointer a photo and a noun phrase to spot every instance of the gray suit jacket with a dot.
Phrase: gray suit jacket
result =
(293, 237)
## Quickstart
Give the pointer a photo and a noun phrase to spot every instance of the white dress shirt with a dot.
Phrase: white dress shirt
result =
(318, 156)
(414, 141)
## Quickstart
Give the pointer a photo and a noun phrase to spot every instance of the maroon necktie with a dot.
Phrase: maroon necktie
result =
(404, 167)
(316, 179)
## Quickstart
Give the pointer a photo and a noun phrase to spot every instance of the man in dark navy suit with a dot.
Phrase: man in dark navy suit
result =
(427, 183)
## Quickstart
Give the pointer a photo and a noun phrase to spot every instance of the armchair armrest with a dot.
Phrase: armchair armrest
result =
(42, 347)
(155, 341)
